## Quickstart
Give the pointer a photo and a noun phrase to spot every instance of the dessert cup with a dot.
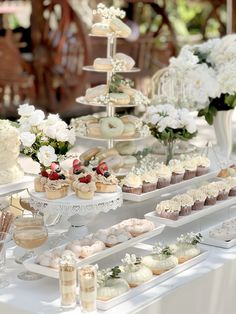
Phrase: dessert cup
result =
(176, 178)
(210, 200)
(189, 174)
(198, 205)
(163, 182)
(148, 187)
(223, 195)
(169, 215)
(185, 210)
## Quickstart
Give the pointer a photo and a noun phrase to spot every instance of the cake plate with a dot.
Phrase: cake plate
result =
(79, 212)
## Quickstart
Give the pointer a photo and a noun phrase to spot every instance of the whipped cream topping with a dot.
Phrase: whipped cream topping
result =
(85, 187)
(190, 165)
(109, 180)
(210, 190)
(231, 182)
(184, 199)
(168, 206)
(56, 184)
(132, 180)
(176, 166)
(149, 177)
(202, 161)
(41, 179)
(164, 172)
(197, 195)
(221, 186)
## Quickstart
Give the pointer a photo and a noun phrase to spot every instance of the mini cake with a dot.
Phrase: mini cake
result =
(164, 176)
(161, 259)
(186, 202)
(102, 64)
(190, 169)
(40, 181)
(168, 209)
(187, 246)
(199, 197)
(76, 172)
(149, 181)
(57, 185)
(10, 169)
(85, 187)
(132, 183)
(232, 184)
(105, 181)
(203, 165)
(223, 189)
(92, 93)
(133, 271)
(119, 98)
(177, 170)
(211, 192)
(110, 285)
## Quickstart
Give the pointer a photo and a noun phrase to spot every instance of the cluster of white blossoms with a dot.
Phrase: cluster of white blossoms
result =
(108, 13)
(167, 116)
(206, 71)
(190, 238)
(131, 262)
(37, 133)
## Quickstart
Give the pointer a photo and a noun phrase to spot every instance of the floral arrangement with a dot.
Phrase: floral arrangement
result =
(189, 238)
(169, 124)
(108, 14)
(43, 139)
(207, 73)
(131, 262)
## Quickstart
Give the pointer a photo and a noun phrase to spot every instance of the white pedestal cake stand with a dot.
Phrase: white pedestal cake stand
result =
(79, 212)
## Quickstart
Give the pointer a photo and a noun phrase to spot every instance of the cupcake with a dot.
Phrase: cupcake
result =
(186, 202)
(164, 176)
(106, 182)
(56, 186)
(110, 285)
(177, 170)
(199, 197)
(223, 189)
(149, 181)
(232, 183)
(40, 181)
(161, 259)
(85, 187)
(133, 271)
(187, 246)
(132, 183)
(203, 165)
(211, 192)
(168, 209)
(76, 172)
(190, 169)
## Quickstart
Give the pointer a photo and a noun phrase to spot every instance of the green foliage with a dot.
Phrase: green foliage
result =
(115, 272)
(197, 239)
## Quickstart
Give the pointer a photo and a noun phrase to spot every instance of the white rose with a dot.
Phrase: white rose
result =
(37, 118)
(50, 131)
(62, 135)
(25, 110)
(25, 127)
(71, 137)
(46, 155)
(27, 138)
(53, 119)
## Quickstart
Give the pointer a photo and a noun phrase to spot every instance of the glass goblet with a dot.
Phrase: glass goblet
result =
(29, 234)
(4, 237)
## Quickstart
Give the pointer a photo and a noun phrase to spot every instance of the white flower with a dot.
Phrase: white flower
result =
(46, 155)
(71, 137)
(50, 131)
(25, 110)
(62, 135)
(185, 60)
(227, 78)
(52, 119)
(27, 139)
(36, 118)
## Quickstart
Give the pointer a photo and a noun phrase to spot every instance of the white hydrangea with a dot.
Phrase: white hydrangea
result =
(25, 110)
(36, 117)
(185, 60)
(227, 78)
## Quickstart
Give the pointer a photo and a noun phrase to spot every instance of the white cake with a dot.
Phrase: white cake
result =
(10, 170)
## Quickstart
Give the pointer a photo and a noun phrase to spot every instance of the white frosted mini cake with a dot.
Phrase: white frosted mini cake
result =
(10, 170)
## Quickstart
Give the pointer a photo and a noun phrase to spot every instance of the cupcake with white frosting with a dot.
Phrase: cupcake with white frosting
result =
(223, 189)
(85, 187)
(177, 169)
(186, 202)
(232, 183)
(160, 260)
(187, 246)
(168, 209)
(199, 197)
(211, 192)
(203, 165)
(190, 169)
(164, 176)
(149, 181)
(132, 183)
(133, 271)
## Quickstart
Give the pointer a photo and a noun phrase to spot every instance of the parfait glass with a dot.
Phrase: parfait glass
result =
(29, 233)
(4, 237)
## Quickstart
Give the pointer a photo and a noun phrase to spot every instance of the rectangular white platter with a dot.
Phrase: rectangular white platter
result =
(53, 273)
(14, 187)
(195, 214)
(106, 305)
(216, 242)
(173, 187)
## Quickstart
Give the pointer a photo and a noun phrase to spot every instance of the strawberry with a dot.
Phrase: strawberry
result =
(101, 168)
(44, 173)
(76, 162)
(86, 179)
(53, 175)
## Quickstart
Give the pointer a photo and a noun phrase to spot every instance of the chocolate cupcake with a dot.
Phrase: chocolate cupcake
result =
(164, 176)
(211, 192)
(177, 170)
(149, 181)
(199, 198)
(232, 184)
(186, 202)
(223, 189)
(190, 169)
(132, 183)
(168, 209)
(203, 165)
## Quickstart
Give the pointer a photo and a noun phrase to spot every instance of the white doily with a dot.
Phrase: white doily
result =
(72, 205)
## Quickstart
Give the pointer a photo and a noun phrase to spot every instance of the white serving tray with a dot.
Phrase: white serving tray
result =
(216, 242)
(133, 292)
(90, 68)
(195, 214)
(14, 187)
(168, 189)
(53, 273)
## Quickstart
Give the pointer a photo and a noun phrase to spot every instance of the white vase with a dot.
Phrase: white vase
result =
(223, 130)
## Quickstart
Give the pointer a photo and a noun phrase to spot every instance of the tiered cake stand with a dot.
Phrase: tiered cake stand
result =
(111, 107)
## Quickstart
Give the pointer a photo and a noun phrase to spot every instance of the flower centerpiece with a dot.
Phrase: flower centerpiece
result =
(169, 124)
(43, 139)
